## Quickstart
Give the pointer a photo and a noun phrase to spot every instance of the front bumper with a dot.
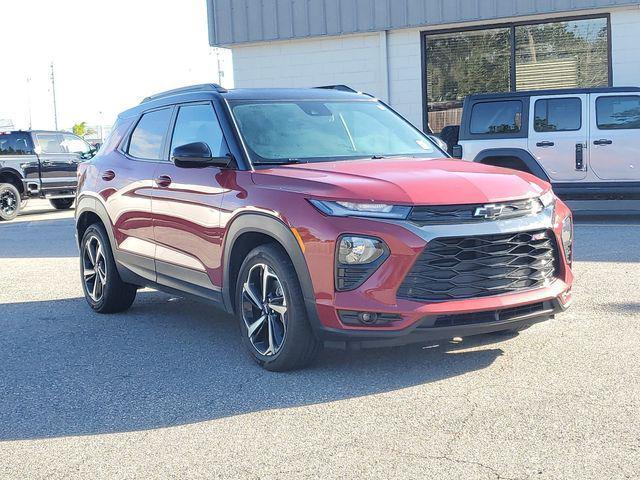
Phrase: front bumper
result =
(419, 321)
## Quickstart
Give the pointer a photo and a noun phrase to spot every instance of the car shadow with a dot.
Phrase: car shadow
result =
(170, 361)
(594, 242)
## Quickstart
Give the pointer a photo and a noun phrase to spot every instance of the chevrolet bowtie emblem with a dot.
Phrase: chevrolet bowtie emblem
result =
(489, 211)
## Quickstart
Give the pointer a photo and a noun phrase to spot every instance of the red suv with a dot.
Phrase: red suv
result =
(319, 217)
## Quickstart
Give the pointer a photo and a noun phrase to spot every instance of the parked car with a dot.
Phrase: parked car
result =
(586, 142)
(319, 218)
(39, 164)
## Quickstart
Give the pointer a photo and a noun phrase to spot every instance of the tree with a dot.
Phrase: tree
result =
(82, 130)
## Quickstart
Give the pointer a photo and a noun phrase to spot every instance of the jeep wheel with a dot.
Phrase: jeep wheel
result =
(9, 201)
(61, 203)
(103, 288)
(271, 312)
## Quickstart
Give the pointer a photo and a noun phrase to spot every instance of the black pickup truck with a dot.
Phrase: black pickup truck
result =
(39, 164)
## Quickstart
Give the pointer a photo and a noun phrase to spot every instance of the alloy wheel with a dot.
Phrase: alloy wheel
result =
(94, 268)
(263, 310)
(8, 202)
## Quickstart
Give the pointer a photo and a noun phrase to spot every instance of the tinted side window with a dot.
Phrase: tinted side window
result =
(14, 144)
(558, 115)
(147, 137)
(198, 123)
(618, 112)
(50, 142)
(496, 117)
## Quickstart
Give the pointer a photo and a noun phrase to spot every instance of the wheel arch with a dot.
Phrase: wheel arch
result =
(89, 211)
(496, 156)
(12, 176)
(250, 230)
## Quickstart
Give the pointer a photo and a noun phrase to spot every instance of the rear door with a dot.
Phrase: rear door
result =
(59, 155)
(17, 155)
(615, 136)
(558, 133)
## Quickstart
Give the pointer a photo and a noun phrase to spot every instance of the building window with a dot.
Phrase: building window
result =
(538, 56)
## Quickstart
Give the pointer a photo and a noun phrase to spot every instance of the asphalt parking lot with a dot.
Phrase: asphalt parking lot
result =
(165, 390)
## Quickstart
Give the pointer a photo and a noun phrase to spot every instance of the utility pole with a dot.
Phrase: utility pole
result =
(29, 99)
(53, 90)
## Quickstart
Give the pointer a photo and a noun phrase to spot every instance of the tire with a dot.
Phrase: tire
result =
(284, 339)
(61, 203)
(103, 288)
(10, 201)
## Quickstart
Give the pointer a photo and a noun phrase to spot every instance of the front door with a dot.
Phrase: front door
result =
(186, 208)
(615, 136)
(558, 132)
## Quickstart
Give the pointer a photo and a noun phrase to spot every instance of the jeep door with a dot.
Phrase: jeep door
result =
(186, 207)
(615, 136)
(558, 134)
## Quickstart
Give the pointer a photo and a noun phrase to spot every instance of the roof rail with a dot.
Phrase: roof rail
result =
(342, 88)
(204, 87)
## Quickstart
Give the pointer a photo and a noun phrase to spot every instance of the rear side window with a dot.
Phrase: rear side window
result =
(148, 136)
(618, 112)
(15, 144)
(199, 123)
(558, 115)
(496, 117)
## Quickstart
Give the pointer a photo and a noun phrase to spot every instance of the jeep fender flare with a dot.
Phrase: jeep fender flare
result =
(525, 157)
(253, 222)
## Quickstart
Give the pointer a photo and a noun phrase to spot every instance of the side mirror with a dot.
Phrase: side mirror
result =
(456, 151)
(197, 155)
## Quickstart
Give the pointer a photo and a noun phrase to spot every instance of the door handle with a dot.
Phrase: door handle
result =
(545, 144)
(163, 181)
(579, 156)
(108, 175)
(603, 141)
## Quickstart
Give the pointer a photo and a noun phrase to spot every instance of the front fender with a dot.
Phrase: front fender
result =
(253, 222)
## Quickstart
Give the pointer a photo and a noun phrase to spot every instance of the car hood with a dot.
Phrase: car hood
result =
(403, 181)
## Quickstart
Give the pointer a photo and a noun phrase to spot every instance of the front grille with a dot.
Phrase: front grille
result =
(469, 267)
(450, 214)
(475, 318)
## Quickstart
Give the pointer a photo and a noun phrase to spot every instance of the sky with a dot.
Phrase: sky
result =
(108, 55)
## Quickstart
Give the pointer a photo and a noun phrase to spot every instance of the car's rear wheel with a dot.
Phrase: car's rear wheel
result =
(271, 313)
(61, 203)
(9, 201)
(103, 288)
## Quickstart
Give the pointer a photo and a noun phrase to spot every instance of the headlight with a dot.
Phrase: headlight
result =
(548, 199)
(567, 238)
(357, 209)
(357, 259)
(359, 250)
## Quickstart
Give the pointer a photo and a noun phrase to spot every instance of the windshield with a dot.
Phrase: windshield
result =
(290, 131)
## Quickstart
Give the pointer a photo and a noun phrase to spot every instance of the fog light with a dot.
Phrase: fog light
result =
(567, 238)
(359, 250)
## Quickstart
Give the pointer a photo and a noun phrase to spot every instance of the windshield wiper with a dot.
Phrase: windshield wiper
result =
(284, 161)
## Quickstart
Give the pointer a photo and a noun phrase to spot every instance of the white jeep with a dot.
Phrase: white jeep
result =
(586, 142)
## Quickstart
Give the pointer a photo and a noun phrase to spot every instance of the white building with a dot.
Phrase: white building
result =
(425, 56)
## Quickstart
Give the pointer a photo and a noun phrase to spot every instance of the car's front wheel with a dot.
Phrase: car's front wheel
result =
(103, 288)
(61, 203)
(271, 312)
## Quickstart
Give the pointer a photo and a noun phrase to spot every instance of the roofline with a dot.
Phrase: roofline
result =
(561, 91)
